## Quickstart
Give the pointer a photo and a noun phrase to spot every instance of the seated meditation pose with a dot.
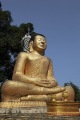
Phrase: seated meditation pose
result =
(33, 77)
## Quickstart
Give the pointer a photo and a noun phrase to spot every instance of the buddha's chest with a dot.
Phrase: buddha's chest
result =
(39, 65)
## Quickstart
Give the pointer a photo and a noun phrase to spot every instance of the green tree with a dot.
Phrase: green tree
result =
(76, 89)
(10, 43)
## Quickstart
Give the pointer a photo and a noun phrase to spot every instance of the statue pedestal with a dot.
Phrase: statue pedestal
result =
(23, 107)
(34, 110)
(63, 108)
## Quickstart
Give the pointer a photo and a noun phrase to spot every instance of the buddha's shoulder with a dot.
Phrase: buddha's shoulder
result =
(47, 58)
(22, 54)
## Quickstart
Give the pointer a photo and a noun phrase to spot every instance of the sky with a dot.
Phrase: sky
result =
(59, 21)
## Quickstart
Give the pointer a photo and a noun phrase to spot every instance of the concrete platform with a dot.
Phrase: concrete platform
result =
(35, 116)
(31, 110)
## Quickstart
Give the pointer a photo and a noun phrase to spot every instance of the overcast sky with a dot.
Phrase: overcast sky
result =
(59, 21)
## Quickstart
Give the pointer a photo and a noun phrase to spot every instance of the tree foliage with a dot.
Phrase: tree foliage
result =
(76, 89)
(10, 43)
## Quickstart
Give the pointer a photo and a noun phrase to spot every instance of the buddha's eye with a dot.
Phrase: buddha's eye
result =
(39, 39)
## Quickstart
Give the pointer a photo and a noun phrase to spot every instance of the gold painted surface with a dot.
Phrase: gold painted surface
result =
(63, 108)
(63, 114)
(22, 104)
(33, 76)
(65, 95)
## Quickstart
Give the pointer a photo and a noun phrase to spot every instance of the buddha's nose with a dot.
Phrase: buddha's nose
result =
(42, 42)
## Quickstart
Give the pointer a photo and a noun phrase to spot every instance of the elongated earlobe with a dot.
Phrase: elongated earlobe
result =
(31, 46)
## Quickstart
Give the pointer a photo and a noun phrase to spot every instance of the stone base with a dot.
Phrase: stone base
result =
(37, 110)
(35, 116)
(63, 108)
(23, 107)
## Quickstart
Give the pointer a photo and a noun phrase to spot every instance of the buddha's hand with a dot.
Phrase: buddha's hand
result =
(43, 83)
(49, 83)
(53, 83)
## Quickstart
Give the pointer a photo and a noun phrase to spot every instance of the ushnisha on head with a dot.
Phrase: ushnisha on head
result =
(38, 42)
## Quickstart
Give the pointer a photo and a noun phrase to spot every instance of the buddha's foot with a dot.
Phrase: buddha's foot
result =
(36, 98)
(9, 98)
(54, 90)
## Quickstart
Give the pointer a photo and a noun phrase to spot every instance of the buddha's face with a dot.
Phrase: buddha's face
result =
(39, 42)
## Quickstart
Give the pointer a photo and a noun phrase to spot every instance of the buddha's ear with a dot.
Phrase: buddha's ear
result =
(31, 46)
(31, 43)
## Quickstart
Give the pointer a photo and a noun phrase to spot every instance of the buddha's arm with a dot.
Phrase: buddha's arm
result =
(18, 74)
(50, 75)
(19, 69)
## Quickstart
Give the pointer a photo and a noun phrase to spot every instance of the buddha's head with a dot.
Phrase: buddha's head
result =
(38, 42)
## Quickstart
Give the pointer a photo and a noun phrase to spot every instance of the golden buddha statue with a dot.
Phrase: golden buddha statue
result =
(33, 77)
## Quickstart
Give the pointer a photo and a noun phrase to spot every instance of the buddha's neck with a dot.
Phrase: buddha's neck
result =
(38, 52)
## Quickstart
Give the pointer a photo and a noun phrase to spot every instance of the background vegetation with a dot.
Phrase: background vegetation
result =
(10, 42)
